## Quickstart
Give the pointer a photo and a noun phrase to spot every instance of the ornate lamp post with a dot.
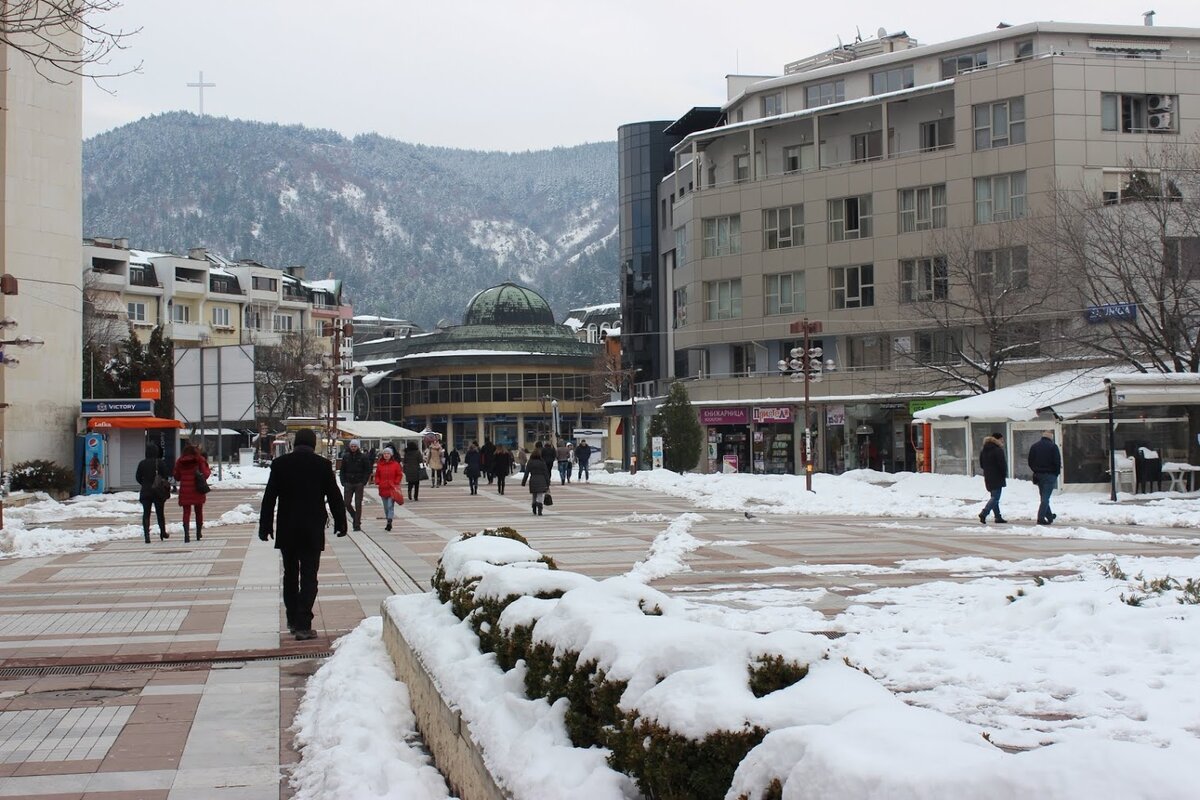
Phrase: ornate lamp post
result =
(805, 365)
(334, 372)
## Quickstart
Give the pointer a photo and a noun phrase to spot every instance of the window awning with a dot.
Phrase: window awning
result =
(143, 423)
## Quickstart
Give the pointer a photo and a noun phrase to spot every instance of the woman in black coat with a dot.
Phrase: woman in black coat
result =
(412, 470)
(995, 472)
(474, 467)
(537, 475)
(149, 467)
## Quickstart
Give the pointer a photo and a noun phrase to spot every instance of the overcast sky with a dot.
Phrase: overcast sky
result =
(505, 74)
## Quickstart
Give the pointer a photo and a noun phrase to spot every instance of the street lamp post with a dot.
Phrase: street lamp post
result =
(805, 365)
(333, 372)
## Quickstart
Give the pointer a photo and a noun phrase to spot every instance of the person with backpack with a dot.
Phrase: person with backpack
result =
(152, 476)
(191, 474)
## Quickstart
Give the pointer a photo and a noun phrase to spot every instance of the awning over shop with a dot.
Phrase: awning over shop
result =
(375, 429)
(142, 423)
(216, 432)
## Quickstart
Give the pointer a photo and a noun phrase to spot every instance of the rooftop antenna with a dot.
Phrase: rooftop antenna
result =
(881, 33)
(857, 35)
(839, 38)
(1148, 19)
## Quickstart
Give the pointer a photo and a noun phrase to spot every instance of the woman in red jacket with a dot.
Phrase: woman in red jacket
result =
(388, 476)
(187, 466)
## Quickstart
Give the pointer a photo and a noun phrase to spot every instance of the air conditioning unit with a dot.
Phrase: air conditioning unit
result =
(1158, 102)
(1160, 121)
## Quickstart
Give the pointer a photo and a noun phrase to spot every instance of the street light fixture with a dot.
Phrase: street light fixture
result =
(805, 365)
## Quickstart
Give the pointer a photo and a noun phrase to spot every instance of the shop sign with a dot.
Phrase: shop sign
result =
(724, 416)
(772, 414)
(116, 408)
(920, 405)
(835, 415)
(151, 390)
(656, 451)
(729, 463)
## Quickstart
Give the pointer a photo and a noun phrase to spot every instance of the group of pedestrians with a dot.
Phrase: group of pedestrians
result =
(1045, 464)
(188, 480)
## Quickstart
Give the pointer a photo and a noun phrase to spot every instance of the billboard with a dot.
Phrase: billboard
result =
(214, 384)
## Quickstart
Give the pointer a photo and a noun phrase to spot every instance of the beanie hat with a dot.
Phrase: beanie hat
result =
(388, 450)
(306, 437)
(355, 443)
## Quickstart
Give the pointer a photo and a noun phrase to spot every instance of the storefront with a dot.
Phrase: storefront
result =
(774, 440)
(727, 433)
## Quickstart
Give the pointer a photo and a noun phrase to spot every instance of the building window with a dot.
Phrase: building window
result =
(1000, 124)
(1131, 185)
(924, 279)
(850, 218)
(180, 313)
(923, 209)
(1181, 257)
(783, 227)
(784, 293)
(742, 359)
(1000, 197)
(823, 94)
(963, 62)
(798, 157)
(680, 318)
(264, 284)
(1139, 113)
(1023, 50)
(283, 323)
(852, 287)
(937, 134)
(772, 104)
(722, 236)
(866, 147)
(892, 80)
(1003, 269)
(136, 312)
(868, 352)
(681, 245)
(938, 347)
(741, 168)
(723, 299)
(220, 317)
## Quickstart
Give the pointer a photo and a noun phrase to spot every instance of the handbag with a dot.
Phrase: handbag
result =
(398, 496)
(160, 487)
(423, 475)
(202, 486)
(548, 501)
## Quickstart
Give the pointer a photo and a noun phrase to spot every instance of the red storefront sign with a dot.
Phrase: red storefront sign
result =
(766, 415)
(724, 416)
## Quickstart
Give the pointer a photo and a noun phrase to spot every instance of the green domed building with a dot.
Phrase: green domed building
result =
(497, 375)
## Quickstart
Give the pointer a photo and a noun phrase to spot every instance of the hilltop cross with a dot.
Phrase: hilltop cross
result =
(201, 86)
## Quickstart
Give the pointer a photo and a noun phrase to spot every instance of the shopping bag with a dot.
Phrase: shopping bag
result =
(423, 475)
(549, 501)
(398, 497)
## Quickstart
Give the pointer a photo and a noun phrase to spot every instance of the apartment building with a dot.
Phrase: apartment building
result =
(828, 194)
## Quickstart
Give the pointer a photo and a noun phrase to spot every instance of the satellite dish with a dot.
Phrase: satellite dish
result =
(881, 33)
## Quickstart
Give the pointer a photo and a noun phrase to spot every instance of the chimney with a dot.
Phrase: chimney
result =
(1148, 19)
(198, 253)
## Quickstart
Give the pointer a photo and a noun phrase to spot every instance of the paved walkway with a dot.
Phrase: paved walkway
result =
(160, 670)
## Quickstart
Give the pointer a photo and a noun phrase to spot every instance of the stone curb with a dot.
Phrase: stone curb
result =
(446, 733)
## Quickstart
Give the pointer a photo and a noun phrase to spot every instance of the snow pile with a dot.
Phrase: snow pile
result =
(47, 509)
(239, 477)
(245, 514)
(354, 727)
(668, 550)
(17, 541)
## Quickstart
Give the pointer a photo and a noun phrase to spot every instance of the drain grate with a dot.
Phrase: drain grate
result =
(87, 669)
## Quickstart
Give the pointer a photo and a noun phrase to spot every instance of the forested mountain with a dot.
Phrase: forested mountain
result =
(414, 231)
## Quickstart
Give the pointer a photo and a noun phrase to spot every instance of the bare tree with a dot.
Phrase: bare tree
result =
(607, 376)
(64, 36)
(282, 386)
(986, 299)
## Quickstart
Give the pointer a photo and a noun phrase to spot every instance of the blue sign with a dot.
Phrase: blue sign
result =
(1120, 312)
(116, 408)
(94, 481)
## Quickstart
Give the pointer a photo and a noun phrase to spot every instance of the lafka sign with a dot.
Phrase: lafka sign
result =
(766, 415)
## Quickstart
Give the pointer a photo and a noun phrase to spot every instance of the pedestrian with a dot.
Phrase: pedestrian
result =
(537, 475)
(562, 454)
(388, 477)
(550, 455)
(995, 474)
(455, 460)
(412, 470)
(435, 458)
(302, 483)
(522, 459)
(355, 474)
(474, 467)
(1045, 462)
(503, 461)
(153, 493)
(485, 456)
(583, 455)
(191, 475)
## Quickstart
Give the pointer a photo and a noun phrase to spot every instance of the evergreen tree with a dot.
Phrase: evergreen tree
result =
(160, 366)
(135, 362)
(677, 424)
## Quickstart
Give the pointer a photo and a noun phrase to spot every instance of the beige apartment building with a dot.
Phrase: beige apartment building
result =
(830, 193)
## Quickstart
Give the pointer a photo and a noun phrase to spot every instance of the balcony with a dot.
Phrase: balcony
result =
(143, 276)
(190, 287)
(185, 333)
(100, 279)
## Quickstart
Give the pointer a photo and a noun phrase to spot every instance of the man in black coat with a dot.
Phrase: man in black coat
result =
(303, 483)
(1045, 462)
(356, 472)
(995, 474)
(485, 458)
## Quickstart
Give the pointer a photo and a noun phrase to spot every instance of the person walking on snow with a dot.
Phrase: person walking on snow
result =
(537, 475)
(1045, 462)
(147, 469)
(302, 483)
(187, 467)
(995, 471)
(355, 475)
(388, 477)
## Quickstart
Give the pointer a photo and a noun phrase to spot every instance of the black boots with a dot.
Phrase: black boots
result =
(388, 527)
(163, 536)
(147, 535)
(187, 537)
(199, 534)
(534, 506)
